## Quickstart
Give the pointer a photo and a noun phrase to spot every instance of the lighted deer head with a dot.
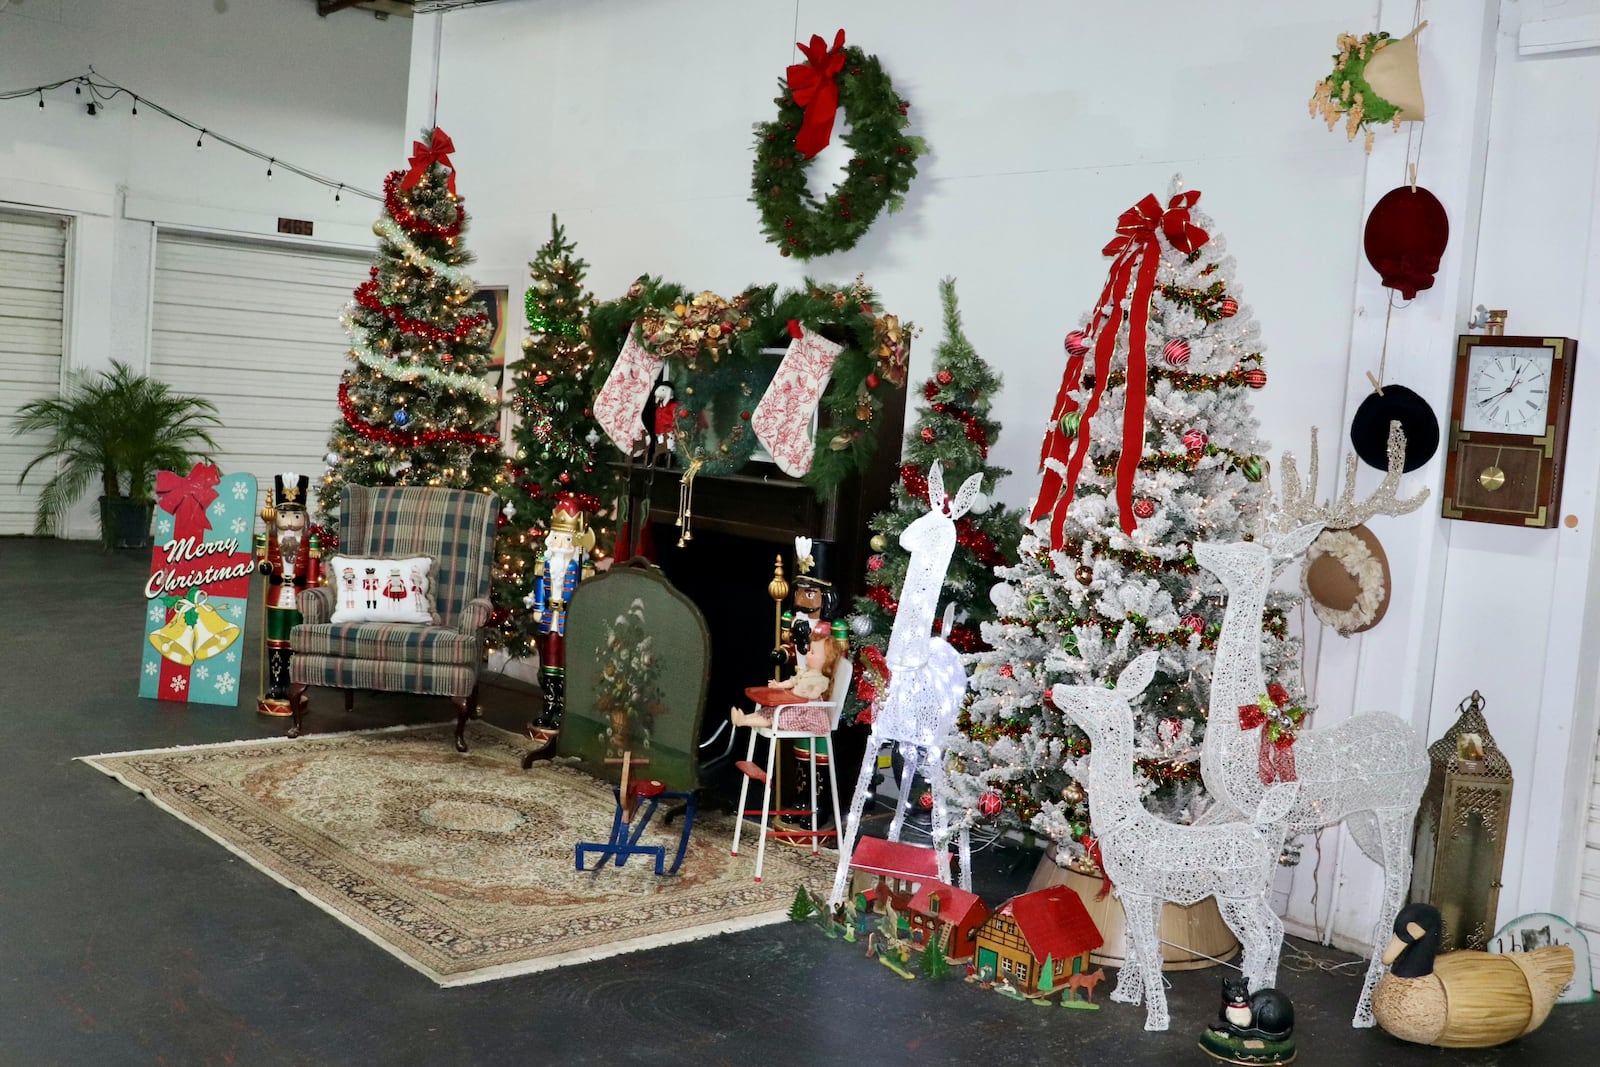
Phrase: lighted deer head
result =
(1106, 715)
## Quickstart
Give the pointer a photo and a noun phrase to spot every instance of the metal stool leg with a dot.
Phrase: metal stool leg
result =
(766, 803)
(744, 793)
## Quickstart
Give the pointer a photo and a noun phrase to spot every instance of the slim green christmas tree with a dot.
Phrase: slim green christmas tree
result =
(934, 965)
(953, 427)
(559, 448)
(416, 408)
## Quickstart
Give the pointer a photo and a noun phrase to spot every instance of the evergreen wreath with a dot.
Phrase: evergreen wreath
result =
(882, 157)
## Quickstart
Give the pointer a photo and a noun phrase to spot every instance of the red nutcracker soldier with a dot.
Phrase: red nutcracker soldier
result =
(290, 558)
(563, 563)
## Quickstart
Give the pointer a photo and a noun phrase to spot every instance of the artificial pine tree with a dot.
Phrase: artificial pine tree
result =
(934, 965)
(557, 441)
(952, 428)
(1096, 584)
(416, 408)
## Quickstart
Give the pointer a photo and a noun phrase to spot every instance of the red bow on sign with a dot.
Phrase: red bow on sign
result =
(424, 156)
(186, 499)
(814, 88)
(1092, 846)
(1279, 724)
(1137, 253)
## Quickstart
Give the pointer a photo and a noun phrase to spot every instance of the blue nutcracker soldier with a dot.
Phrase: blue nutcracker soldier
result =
(562, 564)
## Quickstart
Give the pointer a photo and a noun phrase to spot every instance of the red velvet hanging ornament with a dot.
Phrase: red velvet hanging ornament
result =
(1406, 235)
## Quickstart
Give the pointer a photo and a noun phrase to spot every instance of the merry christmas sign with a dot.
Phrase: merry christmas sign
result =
(199, 586)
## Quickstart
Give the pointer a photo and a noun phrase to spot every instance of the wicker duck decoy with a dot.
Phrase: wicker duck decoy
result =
(1463, 999)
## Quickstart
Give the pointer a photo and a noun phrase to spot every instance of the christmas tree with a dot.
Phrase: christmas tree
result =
(558, 443)
(1169, 455)
(416, 408)
(934, 964)
(952, 428)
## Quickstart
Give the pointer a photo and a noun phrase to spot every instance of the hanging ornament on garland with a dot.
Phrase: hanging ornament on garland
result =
(400, 417)
(1077, 343)
(878, 542)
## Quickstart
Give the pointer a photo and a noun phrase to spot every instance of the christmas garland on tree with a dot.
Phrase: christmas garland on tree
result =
(713, 348)
(882, 157)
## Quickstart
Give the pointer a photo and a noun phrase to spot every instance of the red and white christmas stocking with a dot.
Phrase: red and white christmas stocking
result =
(782, 421)
(619, 406)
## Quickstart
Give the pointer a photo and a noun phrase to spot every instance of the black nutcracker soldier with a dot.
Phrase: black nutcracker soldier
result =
(814, 609)
(290, 558)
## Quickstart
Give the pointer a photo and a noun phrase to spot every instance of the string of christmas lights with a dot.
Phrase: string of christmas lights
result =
(407, 439)
(410, 372)
(367, 297)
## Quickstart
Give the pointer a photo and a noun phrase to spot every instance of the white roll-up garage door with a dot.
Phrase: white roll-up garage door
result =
(1589, 888)
(254, 328)
(33, 253)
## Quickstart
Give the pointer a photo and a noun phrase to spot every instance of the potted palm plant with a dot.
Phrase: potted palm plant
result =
(121, 427)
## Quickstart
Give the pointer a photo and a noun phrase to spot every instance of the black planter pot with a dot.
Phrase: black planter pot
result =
(125, 523)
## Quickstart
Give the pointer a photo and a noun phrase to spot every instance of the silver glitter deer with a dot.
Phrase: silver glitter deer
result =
(926, 681)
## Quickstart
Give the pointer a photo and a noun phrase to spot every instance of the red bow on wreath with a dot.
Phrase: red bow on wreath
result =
(424, 156)
(1137, 254)
(1279, 724)
(186, 499)
(814, 88)
(872, 681)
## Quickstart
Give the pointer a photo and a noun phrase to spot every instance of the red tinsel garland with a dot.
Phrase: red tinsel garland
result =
(367, 296)
(402, 439)
(973, 428)
(968, 536)
(409, 220)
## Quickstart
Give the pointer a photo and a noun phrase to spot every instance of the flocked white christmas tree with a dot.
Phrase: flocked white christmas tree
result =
(1104, 575)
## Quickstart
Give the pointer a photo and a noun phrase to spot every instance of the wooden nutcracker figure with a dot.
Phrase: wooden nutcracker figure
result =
(562, 564)
(290, 558)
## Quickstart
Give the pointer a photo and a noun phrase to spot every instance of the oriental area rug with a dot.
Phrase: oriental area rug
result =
(460, 865)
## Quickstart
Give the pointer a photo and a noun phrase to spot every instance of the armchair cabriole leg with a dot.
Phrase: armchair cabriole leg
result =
(464, 706)
(298, 705)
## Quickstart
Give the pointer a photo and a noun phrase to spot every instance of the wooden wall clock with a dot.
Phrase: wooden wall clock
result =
(1508, 429)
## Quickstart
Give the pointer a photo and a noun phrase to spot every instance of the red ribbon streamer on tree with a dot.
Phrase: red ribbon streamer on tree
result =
(424, 156)
(186, 498)
(1275, 760)
(1137, 255)
(815, 88)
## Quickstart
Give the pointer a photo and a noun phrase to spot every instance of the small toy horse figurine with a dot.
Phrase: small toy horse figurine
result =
(926, 680)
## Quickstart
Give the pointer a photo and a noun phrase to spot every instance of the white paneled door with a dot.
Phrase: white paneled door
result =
(254, 328)
(33, 253)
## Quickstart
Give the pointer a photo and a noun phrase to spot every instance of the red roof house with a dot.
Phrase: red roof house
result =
(1048, 924)
(900, 868)
(936, 905)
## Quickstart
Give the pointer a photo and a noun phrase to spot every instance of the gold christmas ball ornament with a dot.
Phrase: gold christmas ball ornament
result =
(1073, 793)
(878, 542)
(1084, 574)
(377, 227)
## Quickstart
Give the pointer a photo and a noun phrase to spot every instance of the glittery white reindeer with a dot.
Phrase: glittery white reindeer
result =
(1368, 771)
(926, 680)
(1152, 861)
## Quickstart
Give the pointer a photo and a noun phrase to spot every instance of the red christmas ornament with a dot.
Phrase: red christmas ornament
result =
(1077, 343)
(1176, 352)
(1255, 378)
(925, 801)
(1193, 623)
(1195, 440)
(989, 804)
(1406, 234)
(872, 381)
(1006, 671)
(1167, 729)
(1144, 507)
(945, 377)
(1228, 308)
(927, 434)
(564, 478)
(874, 563)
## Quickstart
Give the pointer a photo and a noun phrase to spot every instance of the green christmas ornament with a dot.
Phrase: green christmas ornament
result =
(1069, 423)
(1250, 467)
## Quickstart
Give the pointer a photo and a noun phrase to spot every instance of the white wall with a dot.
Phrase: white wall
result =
(632, 119)
(329, 94)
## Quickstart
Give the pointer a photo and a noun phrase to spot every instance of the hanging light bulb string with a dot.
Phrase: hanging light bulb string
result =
(103, 90)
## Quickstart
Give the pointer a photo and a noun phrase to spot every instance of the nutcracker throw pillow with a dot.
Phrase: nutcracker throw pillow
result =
(381, 590)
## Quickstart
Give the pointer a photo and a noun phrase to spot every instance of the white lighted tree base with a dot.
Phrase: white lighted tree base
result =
(1368, 771)
(1151, 861)
(926, 683)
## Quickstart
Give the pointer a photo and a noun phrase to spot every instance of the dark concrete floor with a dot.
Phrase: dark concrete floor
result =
(127, 937)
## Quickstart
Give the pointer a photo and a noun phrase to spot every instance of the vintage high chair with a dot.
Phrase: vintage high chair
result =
(834, 707)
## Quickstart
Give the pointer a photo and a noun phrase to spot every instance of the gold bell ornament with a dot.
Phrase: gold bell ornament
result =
(195, 632)
(213, 633)
(175, 641)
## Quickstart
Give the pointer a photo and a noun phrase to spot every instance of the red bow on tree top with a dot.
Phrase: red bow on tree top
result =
(424, 156)
(815, 89)
(1137, 253)
(187, 498)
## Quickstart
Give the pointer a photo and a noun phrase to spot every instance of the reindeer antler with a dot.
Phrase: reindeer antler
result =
(1299, 508)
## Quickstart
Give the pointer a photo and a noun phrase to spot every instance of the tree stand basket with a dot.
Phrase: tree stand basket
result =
(1199, 926)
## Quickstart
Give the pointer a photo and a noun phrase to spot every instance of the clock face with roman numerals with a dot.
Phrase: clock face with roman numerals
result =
(1508, 391)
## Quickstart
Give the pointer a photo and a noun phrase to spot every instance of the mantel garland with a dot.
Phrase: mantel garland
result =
(882, 156)
(717, 375)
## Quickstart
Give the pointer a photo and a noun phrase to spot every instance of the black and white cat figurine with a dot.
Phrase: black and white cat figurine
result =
(1266, 1014)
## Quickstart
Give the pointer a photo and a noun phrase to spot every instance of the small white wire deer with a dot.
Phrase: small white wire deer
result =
(1151, 861)
(926, 681)
(1368, 771)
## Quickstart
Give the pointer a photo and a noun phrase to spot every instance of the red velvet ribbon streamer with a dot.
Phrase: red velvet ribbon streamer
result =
(815, 88)
(1275, 759)
(186, 498)
(424, 156)
(1136, 252)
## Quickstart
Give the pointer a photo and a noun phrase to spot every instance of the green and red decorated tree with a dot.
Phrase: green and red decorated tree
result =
(953, 427)
(416, 408)
(558, 443)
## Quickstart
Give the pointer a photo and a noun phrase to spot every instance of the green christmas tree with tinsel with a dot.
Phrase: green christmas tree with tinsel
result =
(415, 407)
(953, 427)
(559, 448)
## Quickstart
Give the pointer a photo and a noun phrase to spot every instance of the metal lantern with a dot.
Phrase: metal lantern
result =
(1461, 829)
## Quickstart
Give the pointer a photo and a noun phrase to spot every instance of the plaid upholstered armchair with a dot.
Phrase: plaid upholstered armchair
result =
(454, 527)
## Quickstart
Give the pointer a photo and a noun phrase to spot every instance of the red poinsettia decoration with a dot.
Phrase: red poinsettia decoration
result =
(1280, 724)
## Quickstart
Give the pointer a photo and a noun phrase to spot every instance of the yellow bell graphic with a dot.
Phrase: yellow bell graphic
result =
(175, 641)
(212, 632)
